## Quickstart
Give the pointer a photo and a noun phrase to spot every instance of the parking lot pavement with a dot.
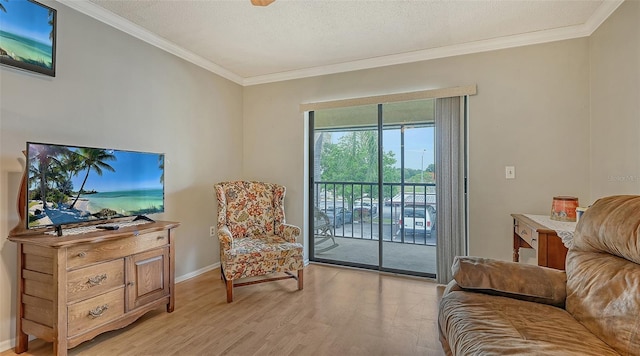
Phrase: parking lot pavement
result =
(369, 230)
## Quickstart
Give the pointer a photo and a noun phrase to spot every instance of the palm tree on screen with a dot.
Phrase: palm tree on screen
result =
(50, 16)
(46, 158)
(161, 166)
(93, 158)
(71, 164)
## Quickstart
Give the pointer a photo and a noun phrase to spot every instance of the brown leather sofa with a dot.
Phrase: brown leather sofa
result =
(497, 307)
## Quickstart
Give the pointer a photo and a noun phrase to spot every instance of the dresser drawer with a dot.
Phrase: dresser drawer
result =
(90, 253)
(527, 233)
(96, 311)
(96, 279)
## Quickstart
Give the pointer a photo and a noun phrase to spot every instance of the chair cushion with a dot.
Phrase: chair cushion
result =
(255, 256)
(249, 208)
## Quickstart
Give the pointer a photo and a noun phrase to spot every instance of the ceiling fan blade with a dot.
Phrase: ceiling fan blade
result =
(261, 2)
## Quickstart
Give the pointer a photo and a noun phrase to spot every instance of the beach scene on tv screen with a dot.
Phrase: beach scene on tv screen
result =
(26, 33)
(78, 184)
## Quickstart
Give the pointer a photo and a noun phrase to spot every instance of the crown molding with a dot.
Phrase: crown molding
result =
(92, 10)
(600, 15)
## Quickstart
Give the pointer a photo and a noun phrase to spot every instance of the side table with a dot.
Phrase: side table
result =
(541, 234)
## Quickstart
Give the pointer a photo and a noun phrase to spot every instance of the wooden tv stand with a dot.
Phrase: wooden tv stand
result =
(72, 288)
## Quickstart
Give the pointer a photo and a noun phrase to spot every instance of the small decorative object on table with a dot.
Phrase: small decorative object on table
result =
(579, 211)
(564, 208)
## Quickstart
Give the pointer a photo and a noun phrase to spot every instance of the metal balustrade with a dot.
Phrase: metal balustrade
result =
(353, 210)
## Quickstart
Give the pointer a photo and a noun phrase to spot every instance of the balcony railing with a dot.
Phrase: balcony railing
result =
(407, 211)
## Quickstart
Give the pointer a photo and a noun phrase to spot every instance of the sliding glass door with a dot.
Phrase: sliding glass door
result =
(409, 188)
(372, 187)
(345, 186)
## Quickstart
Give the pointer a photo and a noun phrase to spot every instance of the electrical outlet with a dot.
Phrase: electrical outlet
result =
(212, 231)
(510, 172)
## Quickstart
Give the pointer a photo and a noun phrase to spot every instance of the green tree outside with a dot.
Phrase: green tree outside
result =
(354, 158)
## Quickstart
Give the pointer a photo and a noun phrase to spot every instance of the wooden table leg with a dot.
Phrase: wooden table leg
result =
(516, 248)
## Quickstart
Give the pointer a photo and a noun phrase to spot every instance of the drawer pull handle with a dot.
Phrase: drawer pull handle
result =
(82, 254)
(97, 280)
(161, 237)
(98, 311)
(131, 284)
(534, 239)
(523, 232)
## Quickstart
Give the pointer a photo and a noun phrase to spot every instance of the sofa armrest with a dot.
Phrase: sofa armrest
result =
(451, 287)
(289, 232)
(511, 279)
(225, 237)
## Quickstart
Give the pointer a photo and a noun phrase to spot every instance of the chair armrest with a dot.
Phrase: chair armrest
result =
(511, 279)
(289, 232)
(225, 237)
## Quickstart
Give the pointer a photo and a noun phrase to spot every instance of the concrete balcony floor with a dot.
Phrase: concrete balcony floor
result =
(400, 256)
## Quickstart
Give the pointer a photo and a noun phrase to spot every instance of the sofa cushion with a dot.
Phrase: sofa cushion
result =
(481, 324)
(603, 272)
(516, 280)
(611, 225)
(603, 293)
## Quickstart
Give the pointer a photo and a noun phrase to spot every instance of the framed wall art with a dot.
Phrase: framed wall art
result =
(28, 36)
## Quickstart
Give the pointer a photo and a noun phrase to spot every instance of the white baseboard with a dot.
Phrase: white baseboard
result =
(7, 344)
(198, 272)
(206, 269)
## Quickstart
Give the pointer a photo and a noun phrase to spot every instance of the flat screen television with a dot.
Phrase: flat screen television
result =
(70, 184)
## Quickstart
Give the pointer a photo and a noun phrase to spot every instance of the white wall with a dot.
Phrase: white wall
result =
(531, 111)
(614, 53)
(112, 90)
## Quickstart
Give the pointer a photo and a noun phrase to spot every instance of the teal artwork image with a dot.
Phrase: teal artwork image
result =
(27, 35)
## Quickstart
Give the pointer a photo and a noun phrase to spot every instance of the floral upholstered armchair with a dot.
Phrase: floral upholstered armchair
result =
(254, 238)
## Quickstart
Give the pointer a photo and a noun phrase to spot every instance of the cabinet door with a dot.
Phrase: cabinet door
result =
(147, 277)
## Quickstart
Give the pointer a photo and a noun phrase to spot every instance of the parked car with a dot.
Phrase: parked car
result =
(365, 208)
(431, 210)
(416, 221)
(339, 216)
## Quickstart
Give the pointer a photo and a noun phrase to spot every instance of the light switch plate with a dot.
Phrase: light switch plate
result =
(510, 172)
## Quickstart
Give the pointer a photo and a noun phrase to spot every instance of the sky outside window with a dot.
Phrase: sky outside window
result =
(419, 149)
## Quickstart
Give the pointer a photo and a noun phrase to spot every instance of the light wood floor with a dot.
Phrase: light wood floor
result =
(340, 312)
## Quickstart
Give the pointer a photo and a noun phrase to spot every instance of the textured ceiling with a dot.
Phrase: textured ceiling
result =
(292, 38)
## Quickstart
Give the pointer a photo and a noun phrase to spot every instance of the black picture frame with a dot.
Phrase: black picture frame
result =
(28, 36)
